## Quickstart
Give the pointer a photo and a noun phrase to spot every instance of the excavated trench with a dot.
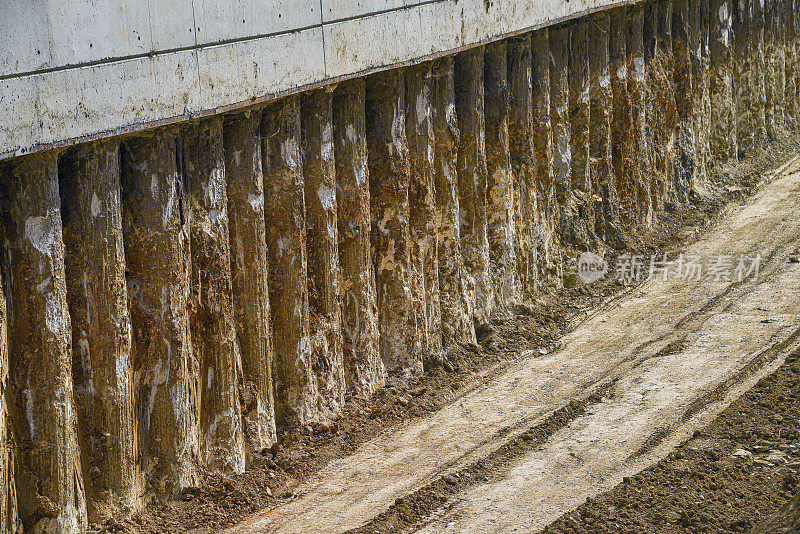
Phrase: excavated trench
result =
(172, 299)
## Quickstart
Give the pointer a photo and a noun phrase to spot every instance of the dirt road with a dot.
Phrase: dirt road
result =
(666, 356)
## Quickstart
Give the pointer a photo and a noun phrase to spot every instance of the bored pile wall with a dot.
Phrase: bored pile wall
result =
(172, 299)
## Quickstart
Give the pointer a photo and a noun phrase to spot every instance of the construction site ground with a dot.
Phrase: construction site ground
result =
(662, 406)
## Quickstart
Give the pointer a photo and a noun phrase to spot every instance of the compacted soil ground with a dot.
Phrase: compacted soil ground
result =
(301, 453)
(730, 476)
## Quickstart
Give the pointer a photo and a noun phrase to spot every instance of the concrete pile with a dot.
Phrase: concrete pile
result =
(171, 298)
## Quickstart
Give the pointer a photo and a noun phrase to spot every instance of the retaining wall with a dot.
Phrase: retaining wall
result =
(172, 297)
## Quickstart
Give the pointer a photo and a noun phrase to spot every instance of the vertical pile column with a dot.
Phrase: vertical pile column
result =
(742, 84)
(296, 393)
(796, 57)
(623, 135)
(685, 164)
(560, 125)
(549, 264)
(770, 64)
(455, 301)
(500, 228)
(783, 84)
(249, 278)
(757, 52)
(777, 17)
(638, 95)
(723, 123)
(9, 519)
(663, 70)
(212, 315)
(790, 54)
(472, 180)
(48, 479)
(324, 297)
(101, 327)
(698, 50)
(399, 307)
(422, 200)
(156, 236)
(523, 169)
(579, 216)
(652, 107)
(364, 371)
(607, 222)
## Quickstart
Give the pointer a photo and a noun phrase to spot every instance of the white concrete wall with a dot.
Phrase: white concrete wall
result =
(77, 70)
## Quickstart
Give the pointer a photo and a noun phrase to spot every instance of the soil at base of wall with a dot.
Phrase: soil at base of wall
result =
(222, 501)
